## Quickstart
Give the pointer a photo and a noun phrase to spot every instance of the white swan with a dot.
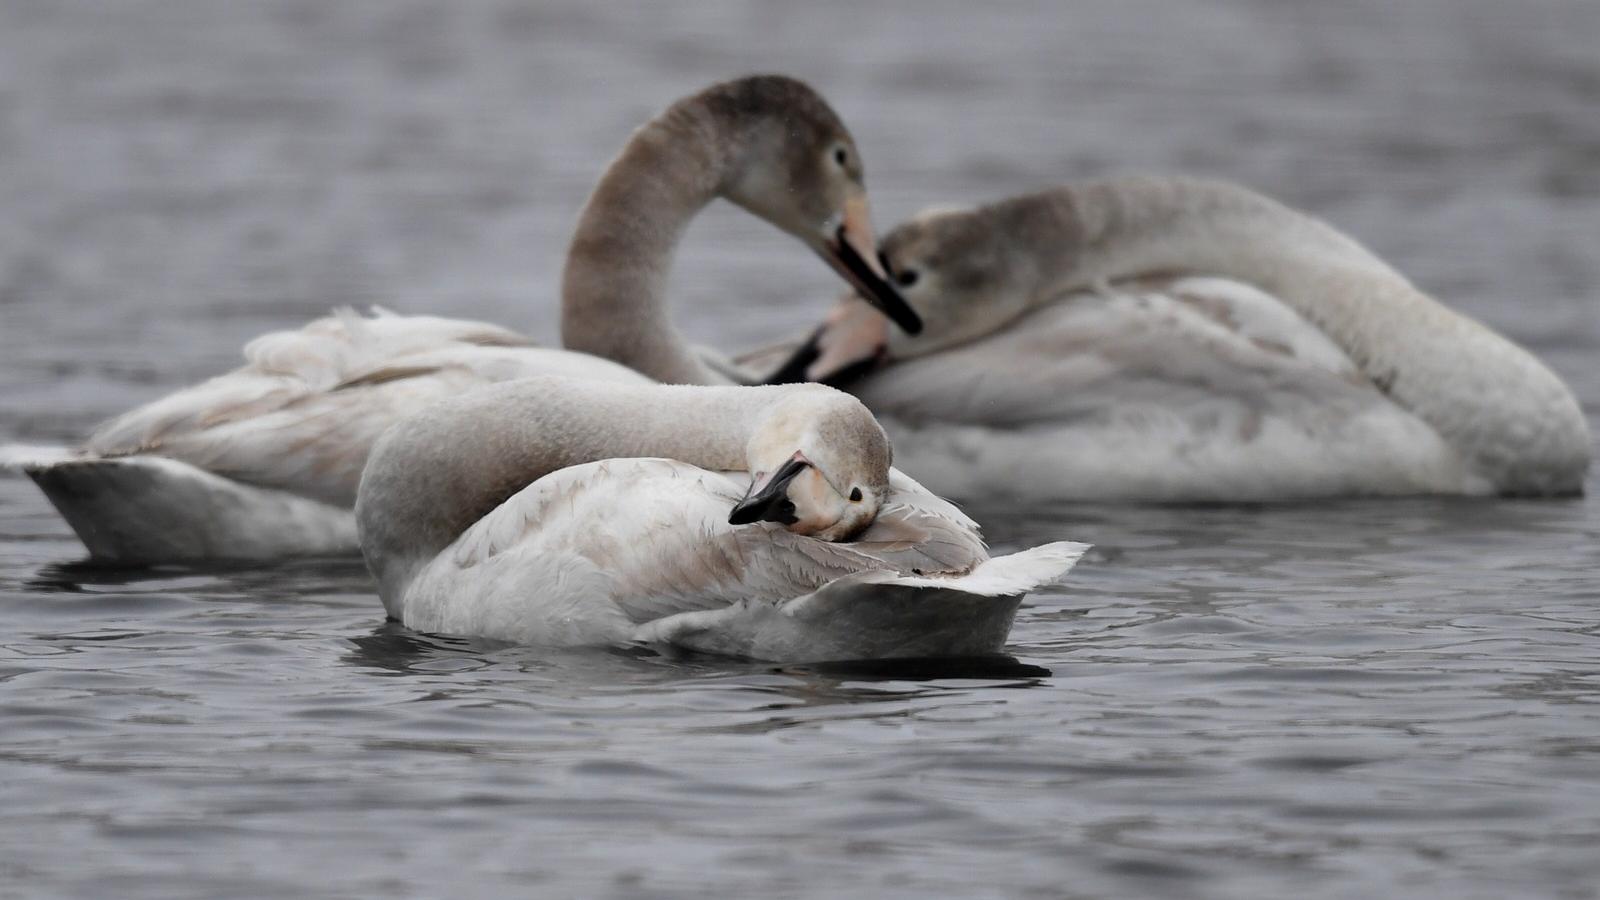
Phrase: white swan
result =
(560, 512)
(264, 461)
(1174, 339)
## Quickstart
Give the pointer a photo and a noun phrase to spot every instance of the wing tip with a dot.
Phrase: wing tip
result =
(1038, 566)
(1011, 575)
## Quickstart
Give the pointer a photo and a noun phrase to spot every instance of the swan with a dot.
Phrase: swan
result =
(264, 461)
(762, 522)
(1174, 339)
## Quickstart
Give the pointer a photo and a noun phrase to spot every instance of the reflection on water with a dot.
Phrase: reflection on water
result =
(1336, 699)
(999, 666)
(393, 649)
(398, 650)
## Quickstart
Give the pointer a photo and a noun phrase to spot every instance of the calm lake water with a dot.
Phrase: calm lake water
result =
(1363, 699)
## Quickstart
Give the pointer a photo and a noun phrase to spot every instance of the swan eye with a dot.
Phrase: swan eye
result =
(855, 495)
(904, 277)
(841, 156)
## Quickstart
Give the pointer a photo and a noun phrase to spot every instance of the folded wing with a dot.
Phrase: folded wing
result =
(303, 412)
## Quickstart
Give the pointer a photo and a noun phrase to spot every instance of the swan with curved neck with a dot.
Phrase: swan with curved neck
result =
(264, 461)
(770, 145)
(555, 511)
(1401, 394)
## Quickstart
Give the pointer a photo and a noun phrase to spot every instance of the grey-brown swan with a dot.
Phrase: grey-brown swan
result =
(1178, 339)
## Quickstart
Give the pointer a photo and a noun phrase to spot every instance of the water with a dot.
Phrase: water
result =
(1332, 700)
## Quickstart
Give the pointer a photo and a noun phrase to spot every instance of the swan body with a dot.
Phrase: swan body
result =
(555, 565)
(601, 550)
(1172, 339)
(263, 462)
(155, 508)
(1140, 393)
(234, 467)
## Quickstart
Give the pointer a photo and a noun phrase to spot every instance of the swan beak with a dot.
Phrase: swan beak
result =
(852, 251)
(851, 344)
(768, 501)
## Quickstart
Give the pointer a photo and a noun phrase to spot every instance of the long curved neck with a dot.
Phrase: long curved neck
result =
(1494, 402)
(613, 286)
(436, 473)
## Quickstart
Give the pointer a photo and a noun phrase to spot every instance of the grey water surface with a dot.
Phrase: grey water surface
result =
(1354, 699)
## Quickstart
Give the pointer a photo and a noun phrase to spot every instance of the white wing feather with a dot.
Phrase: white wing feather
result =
(303, 412)
(1186, 388)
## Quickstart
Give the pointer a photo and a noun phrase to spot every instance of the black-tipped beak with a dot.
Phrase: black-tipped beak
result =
(794, 370)
(771, 503)
(873, 287)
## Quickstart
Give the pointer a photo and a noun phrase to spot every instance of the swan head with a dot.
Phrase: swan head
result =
(793, 163)
(961, 269)
(819, 465)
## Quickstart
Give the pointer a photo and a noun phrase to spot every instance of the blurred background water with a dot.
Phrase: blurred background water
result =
(1337, 700)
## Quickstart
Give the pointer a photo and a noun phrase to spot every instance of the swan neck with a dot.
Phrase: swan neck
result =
(613, 288)
(434, 475)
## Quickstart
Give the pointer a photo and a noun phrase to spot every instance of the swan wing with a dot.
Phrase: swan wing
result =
(1179, 343)
(303, 412)
(643, 538)
(1163, 388)
(284, 366)
(595, 552)
(877, 614)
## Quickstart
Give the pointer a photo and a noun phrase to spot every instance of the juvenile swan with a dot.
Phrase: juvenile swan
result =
(264, 461)
(1173, 339)
(754, 521)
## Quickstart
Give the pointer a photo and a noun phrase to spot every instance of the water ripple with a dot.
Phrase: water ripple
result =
(1341, 699)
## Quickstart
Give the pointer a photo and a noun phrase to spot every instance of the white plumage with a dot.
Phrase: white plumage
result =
(256, 452)
(1176, 339)
(263, 462)
(560, 563)
(560, 512)
(1195, 388)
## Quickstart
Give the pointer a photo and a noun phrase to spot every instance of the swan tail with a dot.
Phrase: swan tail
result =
(150, 509)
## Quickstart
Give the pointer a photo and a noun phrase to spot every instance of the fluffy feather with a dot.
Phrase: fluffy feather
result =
(251, 453)
(1192, 388)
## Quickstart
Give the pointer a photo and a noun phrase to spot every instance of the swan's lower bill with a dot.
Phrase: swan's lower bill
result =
(849, 246)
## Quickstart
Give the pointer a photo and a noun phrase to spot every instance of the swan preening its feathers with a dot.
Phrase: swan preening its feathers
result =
(1177, 339)
(1162, 339)
(561, 498)
(235, 467)
(561, 512)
